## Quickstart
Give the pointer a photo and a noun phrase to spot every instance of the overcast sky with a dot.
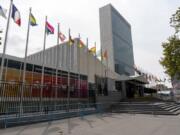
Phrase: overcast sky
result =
(149, 21)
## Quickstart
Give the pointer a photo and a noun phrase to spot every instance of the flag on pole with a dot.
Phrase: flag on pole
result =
(93, 50)
(3, 12)
(81, 44)
(61, 36)
(32, 20)
(16, 15)
(71, 41)
(49, 28)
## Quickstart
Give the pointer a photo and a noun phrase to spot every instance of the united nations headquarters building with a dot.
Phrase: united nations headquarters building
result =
(71, 74)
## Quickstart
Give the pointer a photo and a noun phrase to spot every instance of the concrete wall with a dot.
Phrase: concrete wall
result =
(82, 62)
(106, 34)
(116, 38)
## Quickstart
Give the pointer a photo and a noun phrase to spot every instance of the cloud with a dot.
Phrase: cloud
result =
(149, 62)
(15, 41)
(149, 21)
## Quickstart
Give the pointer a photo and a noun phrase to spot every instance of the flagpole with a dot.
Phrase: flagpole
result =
(79, 79)
(21, 90)
(4, 51)
(106, 71)
(20, 73)
(42, 74)
(5, 41)
(5, 78)
(101, 71)
(62, 62)
(72, 56)
(24, 67)
(26, 50)
(57, 61)
(95, 68)
(32, 80)
(87, 68)
(68, 64)
(61, 48)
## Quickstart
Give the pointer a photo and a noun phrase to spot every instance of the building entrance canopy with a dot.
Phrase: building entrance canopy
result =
(136, 79)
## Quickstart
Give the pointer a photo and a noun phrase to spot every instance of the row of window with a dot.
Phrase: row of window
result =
(38, 69)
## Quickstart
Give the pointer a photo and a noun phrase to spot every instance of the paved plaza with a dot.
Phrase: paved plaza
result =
(106, 124)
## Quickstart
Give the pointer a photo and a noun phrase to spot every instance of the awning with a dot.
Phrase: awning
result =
(140, 79)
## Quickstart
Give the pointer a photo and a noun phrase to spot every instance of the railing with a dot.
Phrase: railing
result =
(13, 118)
(18, 98)
(34, 110)
(18, 115)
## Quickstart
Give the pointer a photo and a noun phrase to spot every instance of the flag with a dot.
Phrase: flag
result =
(16, 15)
(93, 50)
(32, 20)
(49, 28)
(62, 36)
(71, 41)
(3, 12)
(81, 44)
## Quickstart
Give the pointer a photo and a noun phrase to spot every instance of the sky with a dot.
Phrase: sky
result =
(149, 21)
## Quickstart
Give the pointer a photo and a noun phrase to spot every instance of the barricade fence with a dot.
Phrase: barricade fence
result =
(48, 114)
(18, 98)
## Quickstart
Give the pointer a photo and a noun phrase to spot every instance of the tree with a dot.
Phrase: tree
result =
(171, 49)
(171, 59)
(175, 21)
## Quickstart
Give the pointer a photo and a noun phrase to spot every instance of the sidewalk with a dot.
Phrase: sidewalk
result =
(106, 124)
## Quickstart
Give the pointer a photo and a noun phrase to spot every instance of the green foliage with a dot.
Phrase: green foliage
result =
(171, 60)
(175, 21)
(171, 49)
